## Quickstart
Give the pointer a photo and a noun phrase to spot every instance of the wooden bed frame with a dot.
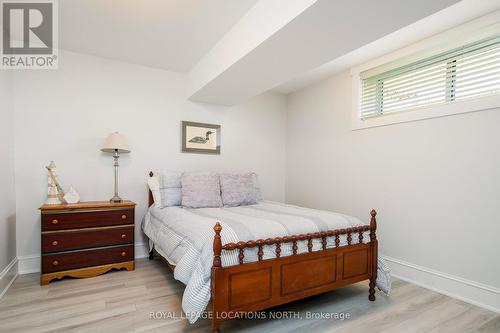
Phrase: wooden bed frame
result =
(260, 285)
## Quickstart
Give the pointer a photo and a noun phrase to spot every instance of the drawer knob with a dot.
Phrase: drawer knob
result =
(124, 236)
(124, 254)
(124, 217)
(55, 263)
(55, 243)
(54, 221)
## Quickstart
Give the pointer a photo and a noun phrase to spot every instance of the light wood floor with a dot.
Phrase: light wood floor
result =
(121, 301)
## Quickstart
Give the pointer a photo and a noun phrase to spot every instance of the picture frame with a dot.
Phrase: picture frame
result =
(200, 138)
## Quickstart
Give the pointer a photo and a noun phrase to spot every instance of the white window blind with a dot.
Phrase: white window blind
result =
(470, 71)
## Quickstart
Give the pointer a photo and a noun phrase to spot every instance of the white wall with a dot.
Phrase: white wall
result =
(7, 188)
(435, 183)
(64, 115)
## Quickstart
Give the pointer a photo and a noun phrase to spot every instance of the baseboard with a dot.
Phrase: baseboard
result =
(31, 263)
(7, 276)
(141, 251)
(475, 293)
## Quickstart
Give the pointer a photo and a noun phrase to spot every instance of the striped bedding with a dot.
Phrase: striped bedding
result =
(185, 236)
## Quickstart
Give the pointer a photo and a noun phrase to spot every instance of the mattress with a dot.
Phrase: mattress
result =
(185, 236)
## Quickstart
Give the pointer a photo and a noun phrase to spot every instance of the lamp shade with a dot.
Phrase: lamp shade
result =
(115, 142)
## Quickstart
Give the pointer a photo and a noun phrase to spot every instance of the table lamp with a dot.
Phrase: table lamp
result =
(116, 144)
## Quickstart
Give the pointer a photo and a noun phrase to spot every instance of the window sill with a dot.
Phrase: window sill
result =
(428, 112)
(466, 33)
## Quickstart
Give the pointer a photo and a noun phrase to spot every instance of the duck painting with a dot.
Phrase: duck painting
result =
(200, 139)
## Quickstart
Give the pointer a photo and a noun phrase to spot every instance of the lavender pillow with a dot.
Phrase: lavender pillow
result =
(201, 190)
(238, 189)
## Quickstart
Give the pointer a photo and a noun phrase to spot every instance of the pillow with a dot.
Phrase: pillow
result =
(154, 187)
(256, 186)
(238, 189)
(201, 190)
(169, 183)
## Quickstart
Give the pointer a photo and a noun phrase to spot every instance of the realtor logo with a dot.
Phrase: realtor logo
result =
(29, 34)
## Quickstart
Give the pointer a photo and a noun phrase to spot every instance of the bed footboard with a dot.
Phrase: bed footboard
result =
(267, 283)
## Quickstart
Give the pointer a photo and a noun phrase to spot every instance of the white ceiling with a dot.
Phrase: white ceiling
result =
(451, 17)
(322, 31)
(168, 34)
(233, 50)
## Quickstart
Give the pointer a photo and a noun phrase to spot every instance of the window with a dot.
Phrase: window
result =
(468, 72)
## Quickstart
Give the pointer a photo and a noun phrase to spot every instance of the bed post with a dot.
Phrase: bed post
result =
(373, 251)
(151, 200)
(150, 203)
(216, 267)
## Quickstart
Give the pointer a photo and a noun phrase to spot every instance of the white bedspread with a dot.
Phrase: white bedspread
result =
(186, 236)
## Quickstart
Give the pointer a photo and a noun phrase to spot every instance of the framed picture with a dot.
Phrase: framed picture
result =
(200, 138)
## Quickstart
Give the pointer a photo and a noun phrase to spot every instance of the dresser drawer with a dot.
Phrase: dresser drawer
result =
(86, 258)
(85, 219)
(62, 241)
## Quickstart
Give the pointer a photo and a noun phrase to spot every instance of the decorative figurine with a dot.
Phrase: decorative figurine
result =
(72, 196)
(55, 194)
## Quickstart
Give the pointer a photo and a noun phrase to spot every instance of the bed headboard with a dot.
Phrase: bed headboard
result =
(151, 200)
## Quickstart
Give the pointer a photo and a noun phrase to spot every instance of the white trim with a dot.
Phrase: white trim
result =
(31, 264)
(466, 33)
(141, 251)
(472, 292)
(11, 270)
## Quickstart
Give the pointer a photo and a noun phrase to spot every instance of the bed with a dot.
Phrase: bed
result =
(251, 258)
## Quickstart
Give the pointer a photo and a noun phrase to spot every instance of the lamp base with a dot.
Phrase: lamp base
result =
(116, 199)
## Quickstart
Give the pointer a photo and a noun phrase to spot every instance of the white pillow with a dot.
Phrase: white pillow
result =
(154, 187)
(170, 188)
(166, 188)
(256, 185)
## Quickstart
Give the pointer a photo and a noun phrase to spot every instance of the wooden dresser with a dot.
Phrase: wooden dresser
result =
(86, 239)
